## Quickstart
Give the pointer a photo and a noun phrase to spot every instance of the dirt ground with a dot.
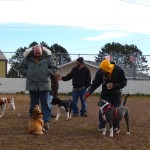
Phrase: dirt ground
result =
(80, 133)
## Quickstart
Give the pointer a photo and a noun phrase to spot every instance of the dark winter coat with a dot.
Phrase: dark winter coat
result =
(118, 79)
(38, 74)
(81, 77)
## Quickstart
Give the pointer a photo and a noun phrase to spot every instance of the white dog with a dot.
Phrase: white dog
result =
(4, 103)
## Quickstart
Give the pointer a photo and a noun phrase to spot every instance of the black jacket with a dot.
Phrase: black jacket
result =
(80, 77)
(118, 79)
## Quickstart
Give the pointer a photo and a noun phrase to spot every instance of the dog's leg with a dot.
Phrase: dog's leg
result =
(126, 116)
(104, 129)
(3, 110)
(58, 114)
(67, 117)
(13, 106)
(118, 131)
(70, 111)
(38, 133)
(111, 129)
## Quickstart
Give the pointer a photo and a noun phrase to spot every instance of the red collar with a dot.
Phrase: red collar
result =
(115, 113)
(106, 109)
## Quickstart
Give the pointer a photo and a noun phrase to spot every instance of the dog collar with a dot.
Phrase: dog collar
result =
(106, 109)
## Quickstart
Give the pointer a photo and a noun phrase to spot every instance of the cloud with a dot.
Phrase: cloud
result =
(106, 36)
(92, 14)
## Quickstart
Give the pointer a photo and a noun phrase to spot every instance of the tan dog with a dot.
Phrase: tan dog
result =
(36, 123)
(4, 103)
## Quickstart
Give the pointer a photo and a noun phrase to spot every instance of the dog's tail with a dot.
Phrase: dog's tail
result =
(125, 100)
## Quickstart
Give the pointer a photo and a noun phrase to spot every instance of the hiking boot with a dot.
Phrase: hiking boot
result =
(75, 115)
(46, 125)
(53, 116)
(84, 115)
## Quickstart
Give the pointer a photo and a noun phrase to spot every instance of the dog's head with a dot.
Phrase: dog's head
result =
(8, 100)
(37, 112)
(103, 103)
(56, 101)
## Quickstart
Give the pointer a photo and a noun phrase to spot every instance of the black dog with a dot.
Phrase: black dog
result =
(111, 114)
(64, 104)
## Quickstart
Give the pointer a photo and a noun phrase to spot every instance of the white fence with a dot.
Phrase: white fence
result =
(14, 85)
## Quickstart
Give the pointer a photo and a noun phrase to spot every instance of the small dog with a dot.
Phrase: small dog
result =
(111, 114)
(4, 102)
(36, 123)
(64, 104)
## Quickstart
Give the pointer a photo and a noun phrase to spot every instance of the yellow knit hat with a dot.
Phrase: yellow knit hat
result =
(106, 66)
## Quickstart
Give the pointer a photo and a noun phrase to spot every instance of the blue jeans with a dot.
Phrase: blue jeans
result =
(43, 98)
(75, 96)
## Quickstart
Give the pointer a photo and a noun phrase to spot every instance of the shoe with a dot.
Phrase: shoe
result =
(53, 116)
(46, 125)
(84, 115)
(75, 115)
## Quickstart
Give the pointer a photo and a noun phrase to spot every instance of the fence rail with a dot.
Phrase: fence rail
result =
(138, 64)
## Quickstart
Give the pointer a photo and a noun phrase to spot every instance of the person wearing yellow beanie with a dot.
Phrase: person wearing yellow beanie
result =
(107, 66)
(112, 78)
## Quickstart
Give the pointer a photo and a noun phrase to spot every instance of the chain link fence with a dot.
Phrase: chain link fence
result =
(135, 66)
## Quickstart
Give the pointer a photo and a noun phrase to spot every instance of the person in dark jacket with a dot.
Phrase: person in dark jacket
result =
(81, 80)
(54, 85)
(54, 89)
(37, 66)
(113, 79)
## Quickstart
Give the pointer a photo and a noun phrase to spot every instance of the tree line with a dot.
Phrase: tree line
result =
(125, 55)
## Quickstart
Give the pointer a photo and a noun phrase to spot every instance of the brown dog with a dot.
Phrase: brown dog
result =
(4, 103)
(36, 123)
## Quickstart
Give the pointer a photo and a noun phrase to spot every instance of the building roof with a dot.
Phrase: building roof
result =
(130, 73)
(2, 56)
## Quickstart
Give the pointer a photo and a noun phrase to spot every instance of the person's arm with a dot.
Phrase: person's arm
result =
(68, 76)
(88, 79)
(98, 79)
(96, 82)
(122, 81)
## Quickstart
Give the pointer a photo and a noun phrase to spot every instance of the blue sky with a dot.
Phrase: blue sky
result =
(80, 26)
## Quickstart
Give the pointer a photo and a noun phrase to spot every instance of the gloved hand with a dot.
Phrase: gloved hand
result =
(87, 94)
